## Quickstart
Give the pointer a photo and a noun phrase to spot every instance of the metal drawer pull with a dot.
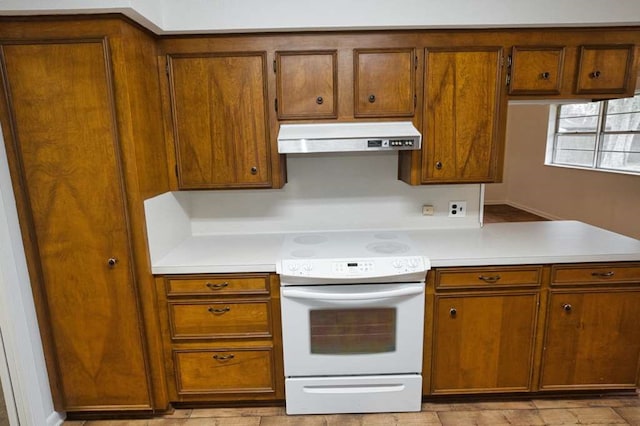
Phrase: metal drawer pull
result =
(595, 74)
(603, 274)
(545, 75)
(567, 307)
(219, 286)
(319, 100)
(219, 311)
(224, 357)
(489, 279)
(453, 312)
(372, 98)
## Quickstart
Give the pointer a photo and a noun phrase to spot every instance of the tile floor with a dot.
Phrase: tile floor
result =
(623, 410)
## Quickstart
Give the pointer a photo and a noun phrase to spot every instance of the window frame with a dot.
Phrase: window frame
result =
(600, 133)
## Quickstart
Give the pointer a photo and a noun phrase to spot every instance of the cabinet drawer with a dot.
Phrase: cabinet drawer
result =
(488, 277)
(193, 320)
(536, 70)
(217, 285)
(605, 69)
(235, 370)
(597, 273)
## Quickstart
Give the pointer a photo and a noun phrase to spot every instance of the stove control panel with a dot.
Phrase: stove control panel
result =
(354, 268)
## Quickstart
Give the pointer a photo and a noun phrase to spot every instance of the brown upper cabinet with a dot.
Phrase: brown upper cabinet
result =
(384, 83)
(461, 130)
(536, 70)
(307, 84)
(220, 121)
(605, 69)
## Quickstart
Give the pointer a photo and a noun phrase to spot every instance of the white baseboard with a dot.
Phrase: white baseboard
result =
(533, 211)
(55, 419)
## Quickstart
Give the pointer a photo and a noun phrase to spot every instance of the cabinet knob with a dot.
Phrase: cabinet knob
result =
(217, 286)
(489, 278)
(254, 170)
(223, 357)
(595, 74)
(438, 165)
(453, 312)
(372, 98)
(219, 311)
(567, 307)
(319, 100)
(545, 75)
(112, 262)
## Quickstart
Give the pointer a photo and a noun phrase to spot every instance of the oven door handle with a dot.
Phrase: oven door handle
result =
(312, 295)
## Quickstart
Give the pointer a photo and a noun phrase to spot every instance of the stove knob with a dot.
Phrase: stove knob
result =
(413, 263)
(307, 268)
(293, 267)
(397, 263)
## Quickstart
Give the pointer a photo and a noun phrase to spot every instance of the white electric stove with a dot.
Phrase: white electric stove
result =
(352, 322)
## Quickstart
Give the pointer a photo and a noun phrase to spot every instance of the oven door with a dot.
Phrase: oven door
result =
(353, 329)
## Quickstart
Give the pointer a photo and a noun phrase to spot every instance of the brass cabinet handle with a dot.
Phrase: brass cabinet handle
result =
(595, 74)
(319, 100)
(219, 311)
(489, 279)
(218, 286)
(223, 357)
(608, 274)
(545, 75)
(438, 165)
(372, 98)
(567, 307)
(112, 261)
(453, 312)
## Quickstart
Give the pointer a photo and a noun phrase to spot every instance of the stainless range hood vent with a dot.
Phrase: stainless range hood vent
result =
(348, 137)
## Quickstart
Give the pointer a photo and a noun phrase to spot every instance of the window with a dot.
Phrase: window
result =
(597, 135)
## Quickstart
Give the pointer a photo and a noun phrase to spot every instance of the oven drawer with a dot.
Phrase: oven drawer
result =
(218, 285)
(220, 371)
(517, 276)
(196, 320)
(595, 273)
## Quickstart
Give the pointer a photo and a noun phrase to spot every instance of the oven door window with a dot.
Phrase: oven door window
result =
(353, 331)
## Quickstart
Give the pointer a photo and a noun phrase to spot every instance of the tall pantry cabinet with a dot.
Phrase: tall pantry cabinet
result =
(80, 123)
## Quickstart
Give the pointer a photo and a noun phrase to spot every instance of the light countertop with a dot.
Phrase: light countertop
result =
(494, 244)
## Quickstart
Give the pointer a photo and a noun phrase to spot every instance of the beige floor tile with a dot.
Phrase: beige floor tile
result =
(316, 420)
(457, 418)
(179, 413)
(421, 418)
(630, 401)
(238, 412)
(523, 417)
(630, 414)
(588, 402)
(560, 403)
(73, 422)
(137, 422)
(597, 415)
(223, 421)
(489, 405)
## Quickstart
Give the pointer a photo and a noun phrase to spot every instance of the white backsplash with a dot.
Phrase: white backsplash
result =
(328, 192)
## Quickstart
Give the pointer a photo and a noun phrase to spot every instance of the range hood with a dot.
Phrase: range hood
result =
(348, 137)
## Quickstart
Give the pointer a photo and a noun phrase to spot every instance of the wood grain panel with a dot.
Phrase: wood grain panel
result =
(232, 370)
(384, 82)
(592, 340)
(219, 319)
(605, 69)
(218, 285)
(307, 84)
(489, 277)
(536, 70)
(220, 120)
(461, 112)
(596, 273)
(63, 127)
(483, 343)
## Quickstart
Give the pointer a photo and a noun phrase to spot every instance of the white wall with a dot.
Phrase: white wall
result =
(607, 200)
(171, 16)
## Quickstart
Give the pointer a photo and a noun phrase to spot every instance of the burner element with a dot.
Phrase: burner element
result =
(310, 239)
(303, 253)
(386, 236)
(388, 247)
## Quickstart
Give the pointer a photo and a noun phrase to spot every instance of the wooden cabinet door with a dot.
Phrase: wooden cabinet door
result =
(384, 82)
(604, 69)
(536, 70)
(592, 340)
(483, 343)
(220, 120)
(461, 136)
(66, 148)
(307, 84)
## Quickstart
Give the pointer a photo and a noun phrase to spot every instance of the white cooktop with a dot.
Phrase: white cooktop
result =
(352, 256)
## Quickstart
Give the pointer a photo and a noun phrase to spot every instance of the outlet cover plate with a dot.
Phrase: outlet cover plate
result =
(457, 208)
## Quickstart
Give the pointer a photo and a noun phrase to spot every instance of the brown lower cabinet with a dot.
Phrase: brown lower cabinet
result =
(222, 337)
(532, 328)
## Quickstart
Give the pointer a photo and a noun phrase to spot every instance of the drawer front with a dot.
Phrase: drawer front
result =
(536, 70)
(605, 69)
(235, 370)
(488, 277)
(195, 320)
(217, 285)
(597, 273)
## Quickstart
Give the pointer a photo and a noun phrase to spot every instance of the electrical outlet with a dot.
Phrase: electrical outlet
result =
(427, 210)
(457, 208)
